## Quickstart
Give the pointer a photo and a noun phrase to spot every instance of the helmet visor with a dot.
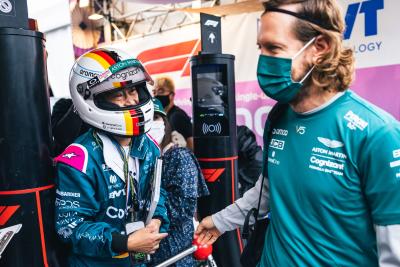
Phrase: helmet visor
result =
(131, 96)
(127, 70)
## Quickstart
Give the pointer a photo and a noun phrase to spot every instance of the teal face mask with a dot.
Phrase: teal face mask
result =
(274, 76)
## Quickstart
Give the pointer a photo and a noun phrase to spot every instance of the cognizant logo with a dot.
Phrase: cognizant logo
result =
(370, 10)
(124, 75)
(327, 163)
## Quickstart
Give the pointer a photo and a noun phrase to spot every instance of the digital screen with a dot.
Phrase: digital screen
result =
(211, 101)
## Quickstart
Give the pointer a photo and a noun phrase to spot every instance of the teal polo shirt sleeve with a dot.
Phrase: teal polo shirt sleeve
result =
(381, 173)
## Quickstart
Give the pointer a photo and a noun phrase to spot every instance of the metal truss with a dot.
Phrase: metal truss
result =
(121, 23)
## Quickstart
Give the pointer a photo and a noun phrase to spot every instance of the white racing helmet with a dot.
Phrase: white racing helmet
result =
(101, 71)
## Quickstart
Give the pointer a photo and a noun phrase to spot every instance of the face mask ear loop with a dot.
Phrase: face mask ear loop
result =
(308, 74)
(301, 51)
(304, 48)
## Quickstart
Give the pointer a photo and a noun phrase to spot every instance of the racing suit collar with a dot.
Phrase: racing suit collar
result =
(139, 146)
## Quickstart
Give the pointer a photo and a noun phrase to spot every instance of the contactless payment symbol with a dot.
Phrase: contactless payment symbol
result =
(5, 6)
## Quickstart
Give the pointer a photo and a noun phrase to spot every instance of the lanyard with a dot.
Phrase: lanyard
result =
(132, 192)
(132, 186)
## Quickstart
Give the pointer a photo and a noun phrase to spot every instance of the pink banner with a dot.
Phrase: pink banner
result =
(378, 85)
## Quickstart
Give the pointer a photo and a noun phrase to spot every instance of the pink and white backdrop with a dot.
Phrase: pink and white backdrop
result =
(372, 30)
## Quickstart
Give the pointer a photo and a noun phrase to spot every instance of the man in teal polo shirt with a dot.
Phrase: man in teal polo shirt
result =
(333, 187)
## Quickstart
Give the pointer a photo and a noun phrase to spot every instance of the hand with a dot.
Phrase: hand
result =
(154, 225)
(206, 232)
(145, 240)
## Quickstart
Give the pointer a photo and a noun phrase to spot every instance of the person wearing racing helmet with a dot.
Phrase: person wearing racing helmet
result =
(103, 182)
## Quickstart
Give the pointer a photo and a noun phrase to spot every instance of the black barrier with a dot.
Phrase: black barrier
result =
(26, 179)
(215, 143)
(14, 14)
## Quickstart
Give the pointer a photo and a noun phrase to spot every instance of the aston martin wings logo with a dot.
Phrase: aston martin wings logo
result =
(330, 143)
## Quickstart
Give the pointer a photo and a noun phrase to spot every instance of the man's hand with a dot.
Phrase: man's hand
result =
(154, 225)
(206, 232)
(145, 240)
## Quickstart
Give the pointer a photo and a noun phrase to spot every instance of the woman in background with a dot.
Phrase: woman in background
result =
(184, 183)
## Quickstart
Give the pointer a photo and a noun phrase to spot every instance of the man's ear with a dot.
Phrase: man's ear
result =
(322, 45)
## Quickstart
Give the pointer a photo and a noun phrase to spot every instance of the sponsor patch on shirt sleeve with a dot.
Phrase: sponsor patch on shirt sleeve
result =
(76, 156)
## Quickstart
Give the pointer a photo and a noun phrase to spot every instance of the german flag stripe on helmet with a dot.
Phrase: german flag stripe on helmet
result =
(128, 123)
(102, 61)
(105, 60)
(106, 57)
(110, 60)
(135, 122)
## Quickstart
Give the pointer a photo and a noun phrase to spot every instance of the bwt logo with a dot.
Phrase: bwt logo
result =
(370, 10)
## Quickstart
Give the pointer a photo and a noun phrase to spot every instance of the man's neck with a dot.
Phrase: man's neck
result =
(311, 98)
(123, 141)
(169, 107)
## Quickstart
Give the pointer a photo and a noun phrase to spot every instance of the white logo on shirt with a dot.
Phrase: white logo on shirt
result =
(283, 132)
(355, 121)
(277, 144)
(69, 155)
(116, 193)
(114, 213)
(105, 167)
(67, 194)
(396, 153)
(274, 161)
(300, 129)
(395, 164)
(327, 161)
(65, 232)
(330, 143)
(113, 179)
(141, 144)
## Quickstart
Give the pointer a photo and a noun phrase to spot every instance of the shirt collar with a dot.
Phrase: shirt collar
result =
(326, 104)
(139, 146)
